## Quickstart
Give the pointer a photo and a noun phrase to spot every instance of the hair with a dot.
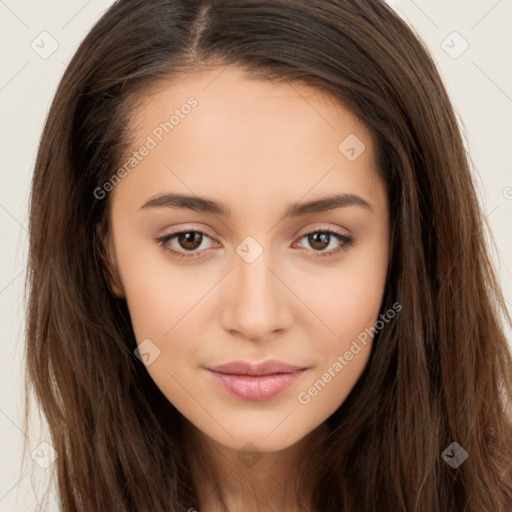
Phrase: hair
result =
(440, 372)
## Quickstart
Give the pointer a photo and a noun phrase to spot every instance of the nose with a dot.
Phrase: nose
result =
(257, 302)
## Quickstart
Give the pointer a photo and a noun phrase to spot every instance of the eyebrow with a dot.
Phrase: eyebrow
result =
(204, 205)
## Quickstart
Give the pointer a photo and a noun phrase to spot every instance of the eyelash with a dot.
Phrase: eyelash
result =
(346, 243)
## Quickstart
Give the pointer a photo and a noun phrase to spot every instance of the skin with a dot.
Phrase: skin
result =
(256, 147)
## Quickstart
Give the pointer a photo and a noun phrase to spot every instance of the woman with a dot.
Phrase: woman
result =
(258, 271)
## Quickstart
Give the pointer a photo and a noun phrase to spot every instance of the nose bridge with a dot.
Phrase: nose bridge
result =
(254, 277)
(256, 305)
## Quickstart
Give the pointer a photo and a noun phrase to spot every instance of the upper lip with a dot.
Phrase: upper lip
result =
(269, 367)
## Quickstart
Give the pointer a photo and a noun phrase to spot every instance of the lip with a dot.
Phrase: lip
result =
(261, 381)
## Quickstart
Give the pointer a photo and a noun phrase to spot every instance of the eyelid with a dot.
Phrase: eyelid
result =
(322, 228)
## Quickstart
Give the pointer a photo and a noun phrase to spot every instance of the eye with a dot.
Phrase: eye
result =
(322, 239)
(183, 242)
(187, 240)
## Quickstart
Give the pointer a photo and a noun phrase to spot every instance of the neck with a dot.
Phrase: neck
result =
(250, 480)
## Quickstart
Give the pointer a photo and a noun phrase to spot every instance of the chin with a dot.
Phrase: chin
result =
(261, 440)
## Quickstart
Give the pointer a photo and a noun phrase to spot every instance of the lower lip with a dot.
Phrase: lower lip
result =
(253, 387)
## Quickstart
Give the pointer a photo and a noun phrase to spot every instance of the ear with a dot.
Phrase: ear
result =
(110, 268)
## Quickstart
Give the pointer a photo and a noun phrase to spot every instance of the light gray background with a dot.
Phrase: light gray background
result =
(479, 81)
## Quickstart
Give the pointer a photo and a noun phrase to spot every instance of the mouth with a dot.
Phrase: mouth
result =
(256, 381)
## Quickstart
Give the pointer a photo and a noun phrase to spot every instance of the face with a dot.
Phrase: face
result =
(252, 228)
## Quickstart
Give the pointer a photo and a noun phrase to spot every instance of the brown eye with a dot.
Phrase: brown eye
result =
(185, 244)
(190, 240)
(319, 240)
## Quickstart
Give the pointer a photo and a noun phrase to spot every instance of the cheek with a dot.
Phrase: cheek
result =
(348, 302)
(347, 298)
(153, 305)
(358, 305)
(159, 292)
(161, 301)
(351, 313)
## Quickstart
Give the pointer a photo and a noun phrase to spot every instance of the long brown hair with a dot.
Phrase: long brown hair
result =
(441, 372)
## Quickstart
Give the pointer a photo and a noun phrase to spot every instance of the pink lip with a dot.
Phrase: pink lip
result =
(256, 381)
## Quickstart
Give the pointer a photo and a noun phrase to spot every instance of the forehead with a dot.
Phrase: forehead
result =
(227, 98)
(256, 136)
